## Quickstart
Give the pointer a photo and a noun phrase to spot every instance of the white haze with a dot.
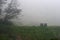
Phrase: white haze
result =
(40, 11)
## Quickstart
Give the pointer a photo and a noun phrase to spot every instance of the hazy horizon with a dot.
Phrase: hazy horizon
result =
(40, 11)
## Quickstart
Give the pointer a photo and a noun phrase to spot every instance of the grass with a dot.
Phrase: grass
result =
(34, 33)
(37, 33)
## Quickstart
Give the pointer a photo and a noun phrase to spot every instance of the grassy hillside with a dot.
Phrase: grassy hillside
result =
(32, 33)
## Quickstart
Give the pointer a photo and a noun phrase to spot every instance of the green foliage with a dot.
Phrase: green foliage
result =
(35, 33)
(9, 12)
(6, 29)
(31, 33)
(3, 36)
(7, 32)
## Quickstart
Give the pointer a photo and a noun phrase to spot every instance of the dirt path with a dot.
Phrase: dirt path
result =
(18, 37)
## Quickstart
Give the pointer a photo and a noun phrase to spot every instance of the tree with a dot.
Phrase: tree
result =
(6, 14)
(10, 11)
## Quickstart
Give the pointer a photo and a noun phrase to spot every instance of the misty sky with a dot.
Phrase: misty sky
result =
(40, 11)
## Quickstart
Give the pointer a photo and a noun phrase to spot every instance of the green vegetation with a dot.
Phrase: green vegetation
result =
(29, 33)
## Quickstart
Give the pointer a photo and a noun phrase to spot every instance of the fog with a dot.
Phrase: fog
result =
(40, 11)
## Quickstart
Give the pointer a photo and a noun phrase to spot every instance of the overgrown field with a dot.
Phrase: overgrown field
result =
(33, 33)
